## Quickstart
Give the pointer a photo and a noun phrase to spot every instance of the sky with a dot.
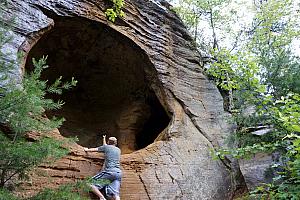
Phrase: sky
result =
(244, 11)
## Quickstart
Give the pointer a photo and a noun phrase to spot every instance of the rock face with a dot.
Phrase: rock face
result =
(140, 80)
(257, 170)
(113, 93)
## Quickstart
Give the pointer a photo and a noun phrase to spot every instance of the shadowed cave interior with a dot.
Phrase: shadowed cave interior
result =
(112, 96)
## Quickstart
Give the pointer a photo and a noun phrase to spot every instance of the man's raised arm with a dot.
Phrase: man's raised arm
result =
(98, 148)
(104, 139)
(90, 149)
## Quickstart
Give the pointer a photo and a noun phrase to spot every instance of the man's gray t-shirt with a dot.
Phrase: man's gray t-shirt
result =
(112, 157)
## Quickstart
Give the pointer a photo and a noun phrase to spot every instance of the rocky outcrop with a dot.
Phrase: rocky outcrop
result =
(257, 170)
(140, 79)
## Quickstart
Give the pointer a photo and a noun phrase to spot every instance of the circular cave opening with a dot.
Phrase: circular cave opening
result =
(113, 95)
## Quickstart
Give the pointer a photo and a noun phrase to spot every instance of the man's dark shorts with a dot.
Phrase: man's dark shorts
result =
(112, 188)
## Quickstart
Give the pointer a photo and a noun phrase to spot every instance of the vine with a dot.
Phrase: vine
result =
(115, 11)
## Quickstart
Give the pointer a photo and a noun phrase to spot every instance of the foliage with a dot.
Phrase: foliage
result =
(241, 69)
(64, 192)
(18, 157)
(237, 73)
(23, 103)
(261, 74)
(287, 115)
(72, 191)
(115, 11)
(274, 29)
(209, 24)
(6, 195)
(22, 110)
(289, 186)
(284, 115)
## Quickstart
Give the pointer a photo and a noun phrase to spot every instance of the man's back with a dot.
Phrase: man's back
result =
(112, 156)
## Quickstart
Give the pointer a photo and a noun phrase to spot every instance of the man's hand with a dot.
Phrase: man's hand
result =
(104, 139)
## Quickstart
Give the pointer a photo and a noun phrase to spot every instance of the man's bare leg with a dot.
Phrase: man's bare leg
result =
(116, 197)
(97, 192)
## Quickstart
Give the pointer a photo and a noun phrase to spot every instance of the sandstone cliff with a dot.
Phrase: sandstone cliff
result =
(140, 79)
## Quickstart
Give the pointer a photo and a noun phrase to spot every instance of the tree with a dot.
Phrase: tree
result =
(197, 14)
(218, 31)
(22, 107)
(262, 71)
(274, 28)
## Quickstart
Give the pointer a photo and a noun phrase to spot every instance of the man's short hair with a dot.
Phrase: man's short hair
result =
(112, 140)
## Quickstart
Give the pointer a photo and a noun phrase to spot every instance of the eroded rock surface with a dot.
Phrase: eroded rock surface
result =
(151, 48)
(257, 170)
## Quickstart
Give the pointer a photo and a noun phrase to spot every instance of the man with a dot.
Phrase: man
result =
(111, 170)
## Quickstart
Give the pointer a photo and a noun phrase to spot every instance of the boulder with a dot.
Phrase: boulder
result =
(257, 170)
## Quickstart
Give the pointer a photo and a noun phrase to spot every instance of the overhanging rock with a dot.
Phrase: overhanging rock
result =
(155, 68)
